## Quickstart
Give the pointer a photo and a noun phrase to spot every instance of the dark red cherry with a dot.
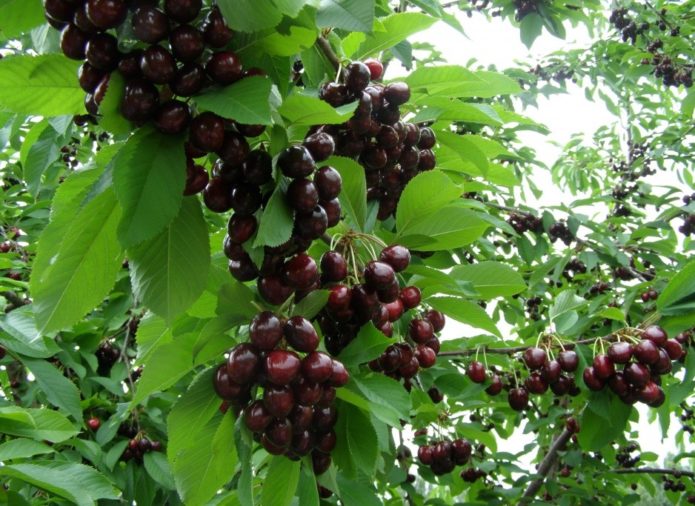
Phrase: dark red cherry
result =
(258, 167)
(397, 256)
(410, 296)
(89, 77)
(150, 25)
(217, 195)
(518, 398)
(282, 367)
(278, 400)
(105, 14)
(655, 334)
(257, 417)
(302, 442)
(296, 162)
(425, 355)
(569, 361)
(197, 179)
(60, 10)
(188, 80)
(535, 383)
(300, 271)
(186, 43)
(215, 30)
(273, 290)
(224, 67)
(357, 77)
(395, 310)
(636, 374)
(225, 387)
(73, 42)
(620, 352)
(476, 372)
(172, 117)
(182, 11)
(246, 199)
(420, 330)
(102, 51)
(320, 464)
(243, 269)
(326, 442)
(301, 334)
(311, 225)
(424, 455)
(243, 364)
(397, 93)
(324, 419)
(618, 384)
(317, 367)
(333, 267)
(339, 374)
(495, 386)
(592, 380)
(649, 393)
(307, 393)
(551, 371)
(333, 211)
(603, 367)
(328, 182)
(207, 131)
(302, 195)
(646, 352)
(241, 228)
(158, 65)
(339, 298)
(674, 349)
(265, 331)
(376, 68)
(535, 358)
(321, 146)
(302, 417)
(427, 138)
(140, 101)
(378, 275)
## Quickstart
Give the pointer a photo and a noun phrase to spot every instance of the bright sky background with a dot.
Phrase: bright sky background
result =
(498, 43)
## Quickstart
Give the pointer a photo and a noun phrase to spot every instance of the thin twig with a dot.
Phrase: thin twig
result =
(517, 349)
(546, 464)
(654, 470)
(327, 50)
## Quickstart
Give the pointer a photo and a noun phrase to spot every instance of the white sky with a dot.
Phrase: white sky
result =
(497, 43)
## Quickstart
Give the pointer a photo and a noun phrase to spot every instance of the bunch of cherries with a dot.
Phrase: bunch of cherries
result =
(443, 456)
(644, 360)
(284, 387)
(391, 151)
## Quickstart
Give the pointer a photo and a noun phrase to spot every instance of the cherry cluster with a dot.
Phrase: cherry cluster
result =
(391, 151)
(572, 268)
(525, 222)
(293, 415)
(138, 447)
(443, 456)
(560, 230)
(107, 355)
(688, 226)
(650, 294)
(643, 361)
(544, 374)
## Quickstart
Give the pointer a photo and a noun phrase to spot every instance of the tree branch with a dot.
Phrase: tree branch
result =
(546, 464)
(327, 50)
(517, 349)
(654, 470)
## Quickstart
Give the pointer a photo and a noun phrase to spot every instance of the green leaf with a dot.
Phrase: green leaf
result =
(389, 401)
(491, 279)
(19, 16)
(22, 449)
(23, 337)
(599, 430)
(350, 15)
(302, 110)
(111, 118)
(566, 301)
(78, 483)
(612, 313)
(357, 492)
(169, 272)
(312, 304)
(149, 175)
(59, 390)
(448, 228)
(277, 221)
(246, 101)
(353, 196)
(361, 438)
(42, 85)
(249, 15)
(530, 28)
(157, 467)
(425, 193)
(39, 424)
(291, 40)
(39, 150)
(456, 81)
(235, 303)
(152, 333)
(281, 481)
(466, 149)
(396, 28)
(678, 292)
(81, 271)
(368, 344)
(465, 312)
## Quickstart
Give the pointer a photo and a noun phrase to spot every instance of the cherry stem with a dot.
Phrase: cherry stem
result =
(327, 50)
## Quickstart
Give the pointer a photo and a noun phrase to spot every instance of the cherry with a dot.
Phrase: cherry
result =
(646, 352)
(197, 179)
(333, 211)
(535, 358)
(300, 271)
(495, 386)
(215, 31)
(339, 298)
(410, 296)
(326, 442)
(321, 146)
(241, 228)
(246, 199)
(592, 380)
(412, 135)
(376, 68)
(603, 367)
(207, 131)
(217, 196)
(172, 117)
(182, 11)
(397, 94)
(271, 447)
(649, 393)
(265, 331)
(258, 167)
(89, 77)
(333, 267)
(663, 366)
(518, 398)
(81, 21)
(397, 256)
(435, 395)
(328, 183)
(636, 374)
(618, 384)
(655, 334)
(551, 371)
(296, 162)
(357, 77)
(339, 374)
(535, 383)
(225, 387)
(365, 303)
(140, 100)
(476, 372)
(186, 43)
(234, 149)
(278, 400)
(273, 290)
(561, 386)
(73, 42)
(243, 364)
(427, 160)
(302, 195)
(654, 399)
(320, 464)
(378, 275)
(420, 330)
(324, 419)
(306, 392)
(102, 51)
(301, 417)
(334, 93)
(94, 424)
(460, 451)
(425, 356)
(300, 334)
(106, 14)
(60, 10)
(279, 432)
(150, 25)
(317, 367)
(568, 359)
(390, 293)
(188, 80)
(427, 138)
(620, 352)
(673, 348)
(395, 310)
(157, 65)
(224, 67)
(257, 417)
(425, 455)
